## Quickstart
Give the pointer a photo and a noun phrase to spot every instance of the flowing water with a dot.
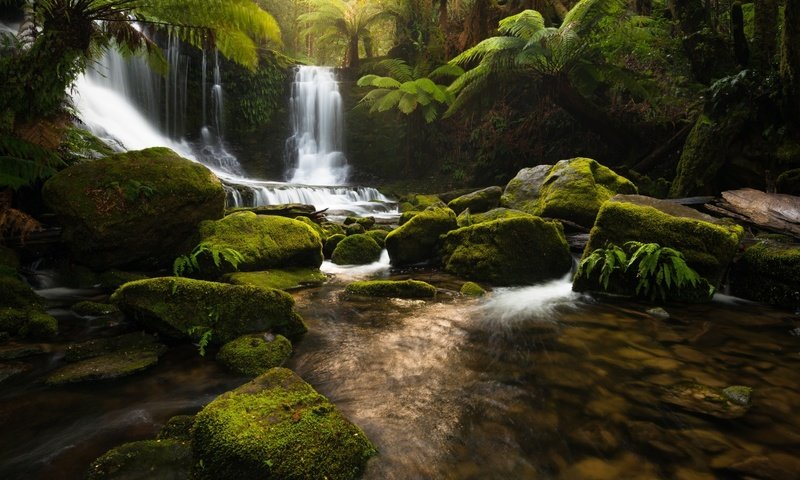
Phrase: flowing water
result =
(530, 383)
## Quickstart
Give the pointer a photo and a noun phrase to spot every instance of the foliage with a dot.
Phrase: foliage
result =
(190, 263)
(658, 269)
(14, 222)
(23, 163)
(203, 335)
(258, 95)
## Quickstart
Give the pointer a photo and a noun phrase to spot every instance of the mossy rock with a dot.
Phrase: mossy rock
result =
(392, 288)
(571, 189)
(18, 351)
(366, 222)
(472, 289)
(277, 426)
(379, 236)
(31, 323)
(708, 244)
(478, 201)
(417, 202)
(788, 182)
(282, 279)
(177, 307)
(513, 251)
(314, 226)
(356, 250)
(252, 355)
(127, 343)
(168, 459)
(104, 367)
(11, 370)
(331, 228)
(354, 229)
(15, 293)
(178, 427)
(467, 218)
(331, 243)
(417, 240)
(769, 272)
(9, 261)
(406, 216)
(94, 309)
(265, 242)
(728, 403)
(134, 208)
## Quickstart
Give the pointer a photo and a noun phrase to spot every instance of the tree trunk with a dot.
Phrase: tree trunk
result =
(790, 59)
(765, 37)
(740, 48)
(352, 59)
(443, 15)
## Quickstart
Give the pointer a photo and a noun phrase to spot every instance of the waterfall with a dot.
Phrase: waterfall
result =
(317, 127)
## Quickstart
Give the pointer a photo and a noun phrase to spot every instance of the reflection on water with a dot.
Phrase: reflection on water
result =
(528, 383)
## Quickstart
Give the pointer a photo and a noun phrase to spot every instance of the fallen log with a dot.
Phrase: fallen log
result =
(773, 212)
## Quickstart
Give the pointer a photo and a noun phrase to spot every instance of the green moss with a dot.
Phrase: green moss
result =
(331, 243)
(277, 427)
(356, 250)
(707, 246)
(417, 202)
(472, 289)
(314, 226)
(178, 427)
(479, 201)
(406, 216)
(769, 272)
(265, 242)
(392, 288)
(379, 236)
(95, 309)
(127, 343)
(104, 367)
(144, 460)
(513, 251)
(366, 222)
(135, 207)
(332, 229)
(9, 262)
(282, 279)
(15, 293)
(31, 323)
(253, 355)
(467, 218)
(354, 229)
(175, 305)
(417, 240)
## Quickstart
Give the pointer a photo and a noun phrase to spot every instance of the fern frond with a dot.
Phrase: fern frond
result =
(523, 25)
(586, 14)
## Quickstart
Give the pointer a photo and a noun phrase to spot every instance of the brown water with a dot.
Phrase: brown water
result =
(532, 383)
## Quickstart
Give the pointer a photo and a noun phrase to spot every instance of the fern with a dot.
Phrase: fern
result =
(203, 335)
(186, 264)
(612, 258)
(661, 269)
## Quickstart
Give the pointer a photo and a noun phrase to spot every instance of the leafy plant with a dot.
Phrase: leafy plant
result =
(203, 335)
(611, 258)
(191, 263)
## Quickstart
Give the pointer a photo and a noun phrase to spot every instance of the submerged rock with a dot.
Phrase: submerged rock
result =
(252, 355)
(282, 279)
(571, 189)
(277, 426)
(728, 403)
(357, 249)
(417, 240)
(186, 308)
(144, 460)
(392, 288)
(478, 201)
(130, 342)
(769, 272)
(512, 251)
(133, 208)
(105, 367)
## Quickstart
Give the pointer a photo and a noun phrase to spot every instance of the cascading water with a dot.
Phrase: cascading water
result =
(317, 121)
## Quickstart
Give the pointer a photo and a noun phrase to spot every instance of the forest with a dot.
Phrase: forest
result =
(391, 239)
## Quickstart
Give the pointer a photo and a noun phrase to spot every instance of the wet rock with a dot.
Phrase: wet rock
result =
(770, 466)
(417, 240)
(658, 313)
(358, 249)
(94, 309)
(144, 460)
(472, 289)
(379, 236)
(276, 426)
(178, 427)
(331, 243)
(709, 441)
(595, 436)
(366, 222)
(626, 465)
(514, 251)
(130, 343)
(10, 370)
(571, 189)
(15, 351)
(104, 367)
(186, 308)
(281, 279)
(137, 207)
(697, 398)
(392, 288)
(654, 437)
(478, 201)
(30, 323)
(769, 272)
(252, 355)
(354, 229)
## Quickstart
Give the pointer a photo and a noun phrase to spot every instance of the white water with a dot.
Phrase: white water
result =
(317, 128)
(508, 306)
(356, 272)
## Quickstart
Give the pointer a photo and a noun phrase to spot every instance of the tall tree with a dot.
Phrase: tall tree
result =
(765, 35)
(790, 58)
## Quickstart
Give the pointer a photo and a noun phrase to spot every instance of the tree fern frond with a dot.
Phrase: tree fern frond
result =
(486, 48)
(588, 13)
(388, 101)
(523, 25)
(377, 81)
(445, 71)
(396, 68)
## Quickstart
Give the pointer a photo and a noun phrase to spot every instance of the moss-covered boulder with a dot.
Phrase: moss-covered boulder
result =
(182, 307)
(105, 367)
(788, 182)
(392, 288)
(417, 240)
(472, 289)
(9, 261)
(478, 201)
(417, 202)
(708, 244)
(366, 222)
(379, 236)
(513, 251)
(31, 323)
(467, 218)
(129, 342)
(265, 242)
(768, 272)
(15, 293)
(331, 243)
(178, 427)
(282, 279)
(252, 355)
(354, 229)
(277, 427)
(314, 226)
(167, 459)
(571, 189)
(406, 216)
(94, 309)
(358, 249)
(133, 208)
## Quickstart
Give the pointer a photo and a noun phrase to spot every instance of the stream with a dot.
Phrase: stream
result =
(531, 382)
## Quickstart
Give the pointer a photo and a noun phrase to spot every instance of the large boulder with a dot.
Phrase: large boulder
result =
(511, 251)
(254, 354)
(264, 241)
(163, 459)
(769, 272)
(708, 244)
(359, 249)
(571, 190)
(182, 307)
(416, 240)
(134, 208)
(392, 288)
(277, 426)
(479, 201)
(467, 218)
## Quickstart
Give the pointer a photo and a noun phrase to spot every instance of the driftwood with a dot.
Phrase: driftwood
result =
(768, 211)
(289, 210)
